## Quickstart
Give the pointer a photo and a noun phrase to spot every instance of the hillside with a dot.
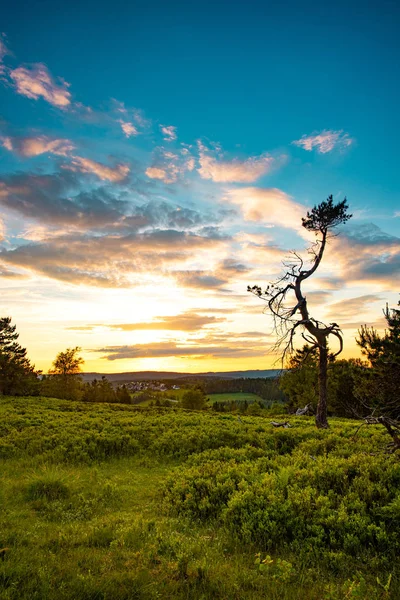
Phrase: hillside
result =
(157, 375)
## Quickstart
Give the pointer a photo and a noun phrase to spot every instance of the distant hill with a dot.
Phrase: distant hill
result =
(151, 375)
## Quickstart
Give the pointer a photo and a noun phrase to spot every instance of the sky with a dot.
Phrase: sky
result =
(157, 159)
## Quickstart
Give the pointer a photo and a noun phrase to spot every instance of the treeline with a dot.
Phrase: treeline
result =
(18, 377)
(73, 388)
(267, 388)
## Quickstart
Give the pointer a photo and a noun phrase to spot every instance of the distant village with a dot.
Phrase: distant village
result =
(143, 386)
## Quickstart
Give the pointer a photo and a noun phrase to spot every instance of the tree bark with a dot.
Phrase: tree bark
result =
(321, 419)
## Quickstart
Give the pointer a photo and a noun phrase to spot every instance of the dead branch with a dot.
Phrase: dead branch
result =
(303, 411)
(391, 426)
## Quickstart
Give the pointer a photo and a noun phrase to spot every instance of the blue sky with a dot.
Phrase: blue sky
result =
(155, 159)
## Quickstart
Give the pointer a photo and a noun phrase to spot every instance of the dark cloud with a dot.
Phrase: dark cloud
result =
(7, 274)
(329, 283)
(387, 266)
(108, 260)
(377, 324)
(317, 298)
(366, 254)
(199, 279)
(352, 307)
(230, 265)
(169, 349)
(183, 322)
(368, 234)
(57, 199)
(64, 199)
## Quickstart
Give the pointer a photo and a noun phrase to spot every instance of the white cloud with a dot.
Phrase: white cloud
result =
(169, 132)
(6, 142)
(324, 141)
(128, 128)
(240, 171)
(267, 205)
(36, 82)
(156, 173)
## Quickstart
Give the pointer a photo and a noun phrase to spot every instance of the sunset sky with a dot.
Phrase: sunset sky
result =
(157, 158)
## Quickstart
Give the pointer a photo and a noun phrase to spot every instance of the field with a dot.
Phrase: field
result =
(234, 397)
(112, 502)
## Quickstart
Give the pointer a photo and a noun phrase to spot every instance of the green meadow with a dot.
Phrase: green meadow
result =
(234, 397)
(107, 502)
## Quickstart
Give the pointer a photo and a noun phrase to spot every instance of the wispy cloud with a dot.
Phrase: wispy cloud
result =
(199, 279)
(85, 165)
(214, 167)
(3, 49)
(34, 146)
(128, 128)
(352, 307)
(6, 142)
(188, 321)
(35, 81)
(267, 205)
(170, 166)
(325, 141)
(164, 349)
(169, 132)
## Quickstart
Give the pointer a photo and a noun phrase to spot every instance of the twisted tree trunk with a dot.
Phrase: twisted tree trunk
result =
(321, 415)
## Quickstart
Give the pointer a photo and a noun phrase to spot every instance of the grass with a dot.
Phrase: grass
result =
(85, 514)
(234, 397)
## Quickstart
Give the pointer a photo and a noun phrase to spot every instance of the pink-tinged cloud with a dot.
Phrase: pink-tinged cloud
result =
(325, 141)
(3, 48)
(128, 128)
(85, 165)
(230, 171)
(267, 206)
(34, 146)
(36, 82)
(3, 52)
(170, 166)
(169, 132)
(6, 142)
(156, 173)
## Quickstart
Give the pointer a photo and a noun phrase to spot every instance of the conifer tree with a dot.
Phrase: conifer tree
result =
(17, 374)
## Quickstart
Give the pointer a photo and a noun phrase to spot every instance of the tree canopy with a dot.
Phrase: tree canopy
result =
(64, 380)
(381, 386)
(17, 374)
(67, 363)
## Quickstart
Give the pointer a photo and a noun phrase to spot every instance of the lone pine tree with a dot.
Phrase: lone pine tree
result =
(289, 319)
